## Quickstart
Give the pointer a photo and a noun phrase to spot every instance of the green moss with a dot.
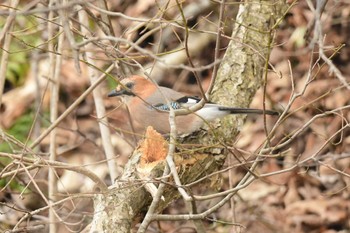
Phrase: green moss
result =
(13, 185)
(25, 38)
(19, 131)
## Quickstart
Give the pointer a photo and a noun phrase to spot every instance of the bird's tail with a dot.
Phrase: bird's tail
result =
(248, 111)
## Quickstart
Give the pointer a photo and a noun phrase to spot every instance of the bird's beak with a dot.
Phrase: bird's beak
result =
(119, 93)
(115, 93)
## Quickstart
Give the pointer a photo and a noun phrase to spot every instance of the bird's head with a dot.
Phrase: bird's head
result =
(131, 87)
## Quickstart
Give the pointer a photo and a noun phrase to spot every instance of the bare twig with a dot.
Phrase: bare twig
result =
(100, 110)
(46, 9)
(54, 75)
(40, 162)
(152, 208)
(217, 49)
(72, 107)
(5, 34)
(199, 83)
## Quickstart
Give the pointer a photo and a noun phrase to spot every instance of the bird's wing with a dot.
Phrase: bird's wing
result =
(176, 99)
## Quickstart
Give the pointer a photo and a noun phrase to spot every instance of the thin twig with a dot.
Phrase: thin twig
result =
(5, 34)
(217, 49)
(40, 162)
(99, 105)
(199, 84)
(54, 75)
(152, 208)
(72, 107)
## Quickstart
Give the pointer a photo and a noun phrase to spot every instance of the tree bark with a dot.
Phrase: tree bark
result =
(238, 78)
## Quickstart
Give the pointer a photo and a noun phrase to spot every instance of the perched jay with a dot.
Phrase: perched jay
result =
(147, 105)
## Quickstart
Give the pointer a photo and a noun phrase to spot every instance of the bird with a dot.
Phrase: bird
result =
(148, 105)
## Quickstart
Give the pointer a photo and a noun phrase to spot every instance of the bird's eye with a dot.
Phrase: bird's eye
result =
(129, 85)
